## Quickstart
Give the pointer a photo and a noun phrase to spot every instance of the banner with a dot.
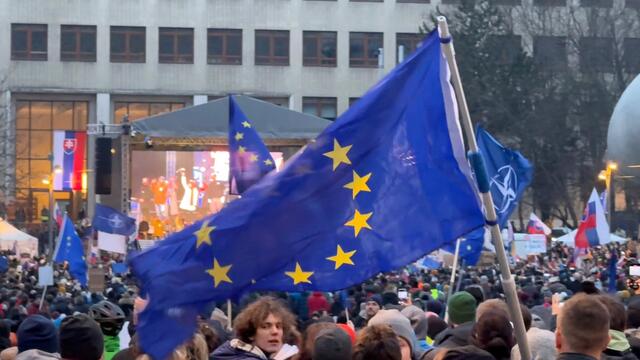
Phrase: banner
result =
(112, 242)
(529, 244)
(68, 155)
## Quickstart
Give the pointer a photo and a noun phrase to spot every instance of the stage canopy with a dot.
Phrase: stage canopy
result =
(211, 120)
(10, 237)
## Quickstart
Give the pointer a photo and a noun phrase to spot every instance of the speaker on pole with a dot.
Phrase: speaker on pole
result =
(103, 166)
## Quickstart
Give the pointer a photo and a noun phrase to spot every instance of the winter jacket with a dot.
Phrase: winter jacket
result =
(574, 356)
(618, 347)
(238, 350)
(454, 337)
(633, 335)
(111, 347)
(317, 302)
(35, 354)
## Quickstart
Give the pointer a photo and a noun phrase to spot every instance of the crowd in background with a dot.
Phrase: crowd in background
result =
(409, 314)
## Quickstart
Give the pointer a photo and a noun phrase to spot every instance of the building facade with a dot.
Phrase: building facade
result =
(68, 64)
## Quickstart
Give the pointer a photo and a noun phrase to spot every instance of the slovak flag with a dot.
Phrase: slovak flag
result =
(593, 229)
(536, 226)
(68, 154)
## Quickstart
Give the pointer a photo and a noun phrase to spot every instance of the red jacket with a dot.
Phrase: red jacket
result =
(317, 302)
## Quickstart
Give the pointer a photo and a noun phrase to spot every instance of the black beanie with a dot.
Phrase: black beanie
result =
(80, 338)
(37, 332)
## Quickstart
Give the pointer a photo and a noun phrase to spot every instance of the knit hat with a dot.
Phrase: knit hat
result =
(377, 298)
(80, 338)
(37, 332)
(461, 307)
(349, 331)
(399, 324)
(434, 306)
(332, 344)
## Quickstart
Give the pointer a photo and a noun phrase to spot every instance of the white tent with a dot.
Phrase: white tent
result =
(570, 239)
(10, 236)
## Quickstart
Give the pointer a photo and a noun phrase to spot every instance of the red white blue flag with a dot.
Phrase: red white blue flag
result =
(593, 229)
(68, 154)
(536, 226)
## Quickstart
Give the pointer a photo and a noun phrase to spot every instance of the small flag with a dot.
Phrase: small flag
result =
(69, 248)
(68, 155)
(111, 221)
(593, 229)
(249, 158)
(377, 189)
(536, 226)
(509, 172)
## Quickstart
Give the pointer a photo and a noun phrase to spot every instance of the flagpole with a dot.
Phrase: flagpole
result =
(475, 158)
(452, 282)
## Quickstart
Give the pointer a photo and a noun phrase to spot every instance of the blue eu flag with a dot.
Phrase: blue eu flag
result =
(249, 159)
(510, 173)
(377, 189)
(112, 221)
(69, 248)
(470, 247)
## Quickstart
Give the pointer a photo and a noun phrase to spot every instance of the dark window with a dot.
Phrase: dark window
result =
(507, 2)
(364, 49)
(352, 100)
(597, 3)
(77, 43)
(139, 110)
(550, 52)
(28, 42)
(276, 100)
(176, 45)
(224, 46)
(324, 107)
(631, 55)
(509, 48)
(128, 44)
(451, 2)
(367, 0)
(319, 48)
(550, 2)
(633, 4)
(272, 47)
(414, 1)
(409, 43)
(596, 54)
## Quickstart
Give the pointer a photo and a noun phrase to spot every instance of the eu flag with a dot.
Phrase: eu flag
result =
(510, 173)
(110, 220)
(377, 189)
(470, 247)
(249, 159)
(69, 248)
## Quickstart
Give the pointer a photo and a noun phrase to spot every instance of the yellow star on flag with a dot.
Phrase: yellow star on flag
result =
(299, 276)
(246, 124)
(253, 158)
(241, 149)
(359, 184)
(239, 136)
(219, 273)
(338, 154)
(342, 257)
(203, 234)
(268, 162)
(359, 221)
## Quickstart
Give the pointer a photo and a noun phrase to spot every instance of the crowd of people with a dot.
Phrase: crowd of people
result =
(585, 309)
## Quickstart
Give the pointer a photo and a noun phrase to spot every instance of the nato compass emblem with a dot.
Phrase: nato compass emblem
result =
(115, 221)
(506, 183)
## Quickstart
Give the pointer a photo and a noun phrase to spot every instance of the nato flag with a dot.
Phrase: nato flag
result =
(379, 188)
(510, 173)
(249, 159)
(110, 220)
(69, 248)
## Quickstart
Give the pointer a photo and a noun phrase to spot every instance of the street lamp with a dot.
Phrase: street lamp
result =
(50, 180)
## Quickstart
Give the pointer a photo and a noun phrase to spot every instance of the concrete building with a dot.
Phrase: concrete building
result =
(68, 64)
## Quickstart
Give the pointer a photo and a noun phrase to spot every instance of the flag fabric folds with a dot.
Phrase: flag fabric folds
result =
(68, 154)
(377, 189)
(509, 172)
(111, 221)
(593, 229)
(536, 226)
(249, 158)
(69, 248)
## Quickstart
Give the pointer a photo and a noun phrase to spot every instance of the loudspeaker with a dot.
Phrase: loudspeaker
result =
(103, 166)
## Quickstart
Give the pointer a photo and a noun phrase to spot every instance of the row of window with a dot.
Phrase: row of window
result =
(586, 3)
(224, 46)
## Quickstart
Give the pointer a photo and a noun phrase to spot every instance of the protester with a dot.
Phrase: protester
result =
(494, 334)
(583, 329)
(37, 339)
(541, 342)
(371, 308)
(111, 319)
(81, 338)
(402, 328)
(618, 347)
(377, 342)
(462, 311)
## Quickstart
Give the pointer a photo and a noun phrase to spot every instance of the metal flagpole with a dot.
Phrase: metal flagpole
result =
(453, 278)
(475, 158)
